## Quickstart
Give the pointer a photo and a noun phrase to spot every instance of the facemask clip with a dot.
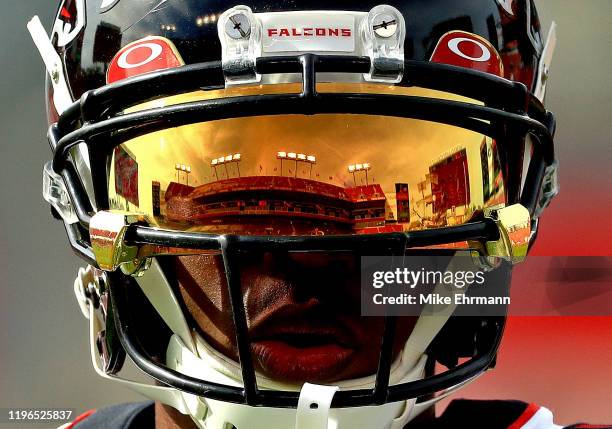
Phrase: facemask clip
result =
(240, 35)
(549, 189)
(514, 226)
(55, 193)
(107, 231)
(383, 34)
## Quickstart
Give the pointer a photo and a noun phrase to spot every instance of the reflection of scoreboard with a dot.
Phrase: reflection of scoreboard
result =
(156, 198)
(450, 182)
(126, 175)
(402, 197)
(492, 179)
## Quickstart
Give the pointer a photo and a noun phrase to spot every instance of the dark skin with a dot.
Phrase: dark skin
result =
(305, 306)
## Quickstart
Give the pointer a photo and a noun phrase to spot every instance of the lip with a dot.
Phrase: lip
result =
(297, 344)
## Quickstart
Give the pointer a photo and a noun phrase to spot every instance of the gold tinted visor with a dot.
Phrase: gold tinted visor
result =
(307, 175)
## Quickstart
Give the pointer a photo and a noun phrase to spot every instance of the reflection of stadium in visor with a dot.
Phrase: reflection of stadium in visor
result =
(308, 175)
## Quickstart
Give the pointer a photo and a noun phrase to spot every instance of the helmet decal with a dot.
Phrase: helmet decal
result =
(507, 5)
(303, 32)
(143, 56)
(107, 5)
(463, 49)
(69, 22)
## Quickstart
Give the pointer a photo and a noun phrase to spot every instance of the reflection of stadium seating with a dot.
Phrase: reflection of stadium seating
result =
(268, 183)
(280, 197)
(379, 229)
(366, 193)
(177, 190)
(291, 185)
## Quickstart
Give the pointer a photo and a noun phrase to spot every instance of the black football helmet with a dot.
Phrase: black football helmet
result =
(190, 127)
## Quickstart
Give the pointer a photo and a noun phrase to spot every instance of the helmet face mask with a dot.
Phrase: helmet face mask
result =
(251, 204)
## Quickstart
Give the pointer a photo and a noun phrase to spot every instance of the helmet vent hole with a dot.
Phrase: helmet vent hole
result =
(314, 406)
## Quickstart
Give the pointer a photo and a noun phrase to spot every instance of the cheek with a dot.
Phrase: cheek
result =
(203, 277)
(263, 293)
(201, 284)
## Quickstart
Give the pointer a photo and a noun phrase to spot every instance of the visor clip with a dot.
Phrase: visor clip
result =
(240, 35)
(383, 33)
(107, 231)
(514, 227)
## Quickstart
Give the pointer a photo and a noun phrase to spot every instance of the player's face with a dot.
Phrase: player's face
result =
(303, 314)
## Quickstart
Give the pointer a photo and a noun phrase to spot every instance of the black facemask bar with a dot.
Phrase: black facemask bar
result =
(487, 337)
(97, 121)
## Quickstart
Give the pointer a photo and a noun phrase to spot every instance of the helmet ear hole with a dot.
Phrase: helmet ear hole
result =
(462, 336)
(456, 340)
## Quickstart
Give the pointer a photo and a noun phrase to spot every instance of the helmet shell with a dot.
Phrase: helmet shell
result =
(511, 26)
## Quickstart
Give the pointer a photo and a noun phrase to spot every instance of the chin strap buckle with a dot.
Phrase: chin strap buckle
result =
(314, 406)
(91, 291)
(514, 226)
(107, 232)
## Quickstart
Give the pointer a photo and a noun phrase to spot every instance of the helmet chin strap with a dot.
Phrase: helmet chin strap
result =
(188, 353)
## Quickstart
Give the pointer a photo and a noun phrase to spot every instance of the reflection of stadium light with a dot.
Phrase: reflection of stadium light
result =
(224, 160)
(353, 168)
(296, 157)
(359, 167)
(206, 19)
(185, 169)
(229, 158)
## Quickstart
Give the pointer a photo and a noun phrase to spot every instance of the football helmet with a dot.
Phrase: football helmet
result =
(188, 127)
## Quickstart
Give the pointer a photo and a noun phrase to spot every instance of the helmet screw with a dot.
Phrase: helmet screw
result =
(384, 25)
(55, 75)
(545, 74)
(238, 26)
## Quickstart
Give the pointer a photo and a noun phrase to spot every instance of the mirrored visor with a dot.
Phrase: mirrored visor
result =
(307, 175)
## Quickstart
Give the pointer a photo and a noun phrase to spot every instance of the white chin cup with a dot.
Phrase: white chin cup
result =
(212, 414)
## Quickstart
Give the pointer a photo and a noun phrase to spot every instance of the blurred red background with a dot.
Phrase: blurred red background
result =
(562, 362)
